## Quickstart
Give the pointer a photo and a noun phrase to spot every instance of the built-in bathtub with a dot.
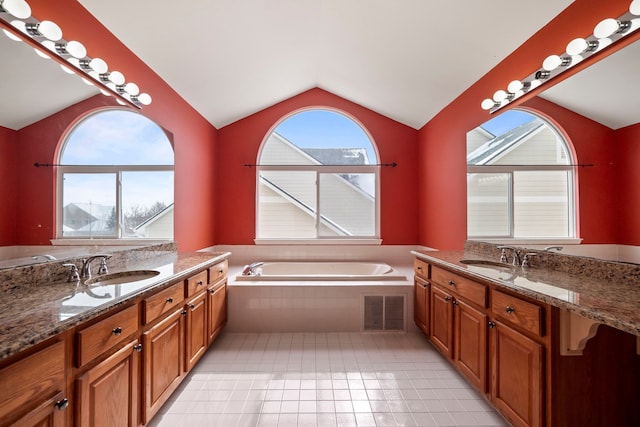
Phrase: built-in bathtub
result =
(301, 271)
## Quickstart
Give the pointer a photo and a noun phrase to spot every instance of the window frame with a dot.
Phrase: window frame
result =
(318, 169)
(572, 190)
(117, 170)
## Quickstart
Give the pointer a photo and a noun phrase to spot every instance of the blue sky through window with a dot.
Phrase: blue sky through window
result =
(324, 129)
(506, 121)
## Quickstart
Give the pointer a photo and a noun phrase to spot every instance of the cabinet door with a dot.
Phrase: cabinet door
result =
(217, 310)
(470, 344)
(517, 376)
(162, 353)
(196, 330)
(441, 320)
(107, 395)
(421, 304)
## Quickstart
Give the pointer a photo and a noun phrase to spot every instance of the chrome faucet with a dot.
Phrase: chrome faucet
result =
(514, 251)
(249, 270)
(85, 270)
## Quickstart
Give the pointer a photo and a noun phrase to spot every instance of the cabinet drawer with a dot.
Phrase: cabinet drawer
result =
(100, 337)
(162, 302)
(31, 379)
(518, 312)
(196, 283)
(468, 289)
(218, 272)
(421, 268)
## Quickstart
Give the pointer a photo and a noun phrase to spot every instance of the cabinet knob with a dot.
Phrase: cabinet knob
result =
(212, 291)
(419, 268)
(424, 286)
(192, 306)
(169, 300)
(447, 299)
(199, 283)
(62, 404)
(454, 302)
(452, 283)
(510, 309)
(138, 347)
(116, 331)
(221, 271)
(184, 312)
(492, 325)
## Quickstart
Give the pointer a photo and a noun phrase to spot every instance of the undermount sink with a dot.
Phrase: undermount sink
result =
(493, 269)
(121, 277)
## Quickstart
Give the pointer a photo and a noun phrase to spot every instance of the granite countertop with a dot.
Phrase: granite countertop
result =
(33, 312)
(615, 303)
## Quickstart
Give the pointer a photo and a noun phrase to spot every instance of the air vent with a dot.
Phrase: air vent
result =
(383, 313)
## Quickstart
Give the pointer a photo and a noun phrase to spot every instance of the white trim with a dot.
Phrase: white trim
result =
(529, 241)
(319, 241)
(69, 241)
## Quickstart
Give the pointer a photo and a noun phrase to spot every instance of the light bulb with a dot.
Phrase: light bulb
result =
(98, 65)
(18, 8)
(144, 98)
(515, 86)
(116, 77)
(554, 61)
(132, 89)
(76, 49)
(609, 27)
(634, 8)
(47, 29)
(500, 95)
(487, 104)
(580, 45)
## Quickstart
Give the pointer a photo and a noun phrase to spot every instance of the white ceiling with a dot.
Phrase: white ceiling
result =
(405, 59)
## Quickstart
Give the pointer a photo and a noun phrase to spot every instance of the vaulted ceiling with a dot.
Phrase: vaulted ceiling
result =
(405, 59)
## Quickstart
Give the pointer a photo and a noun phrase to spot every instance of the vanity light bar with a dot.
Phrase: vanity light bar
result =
(72, 55)
(607, 32)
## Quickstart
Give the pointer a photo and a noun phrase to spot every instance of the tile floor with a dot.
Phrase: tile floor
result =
(325, 379)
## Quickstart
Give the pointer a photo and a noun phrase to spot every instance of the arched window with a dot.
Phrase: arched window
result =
(520, 179)
(116, 178)
(317, 178)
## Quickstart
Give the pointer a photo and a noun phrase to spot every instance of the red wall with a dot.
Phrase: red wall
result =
(441, 142)
(8, 188)
(194, 138)
(239, 144)
(628, 184)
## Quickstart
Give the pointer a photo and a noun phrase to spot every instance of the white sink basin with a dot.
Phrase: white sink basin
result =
(121, 277)
(493, 269)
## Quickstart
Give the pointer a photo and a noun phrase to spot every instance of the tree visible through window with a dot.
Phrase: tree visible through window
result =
(519, 179)
(317, 178)
(116, 178)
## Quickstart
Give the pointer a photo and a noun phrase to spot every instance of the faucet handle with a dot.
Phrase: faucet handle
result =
(74, 275)
(103, 269)
(503, 255)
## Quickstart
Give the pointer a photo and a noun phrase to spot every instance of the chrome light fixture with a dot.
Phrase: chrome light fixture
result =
(46, 38)
(606, 32)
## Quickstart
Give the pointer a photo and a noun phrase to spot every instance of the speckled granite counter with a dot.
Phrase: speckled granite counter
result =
(599, 296)
(32, 312)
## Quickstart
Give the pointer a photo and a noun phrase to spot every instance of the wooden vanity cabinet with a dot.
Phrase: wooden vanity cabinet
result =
(163, 366)
(108, 394)
(196, 337)
(470, 343)
(217, 309)
(421, 303)
(33, 388)
(441, 330)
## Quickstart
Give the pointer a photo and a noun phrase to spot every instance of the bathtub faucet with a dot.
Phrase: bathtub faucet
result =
(249, 270)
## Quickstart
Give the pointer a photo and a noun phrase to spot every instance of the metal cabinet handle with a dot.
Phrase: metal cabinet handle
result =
(447, 299)
(170, 300)
(221, 271)
(138, 348)
(452, 283)
(192, 306)
(184, 312)
(492, 325)
(199, 283)
(510, 309)
(454, 302)
(116, 331)
(62, 404)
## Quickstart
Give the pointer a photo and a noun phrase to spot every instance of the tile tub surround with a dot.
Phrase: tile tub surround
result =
(587, 287)
(34, 309)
